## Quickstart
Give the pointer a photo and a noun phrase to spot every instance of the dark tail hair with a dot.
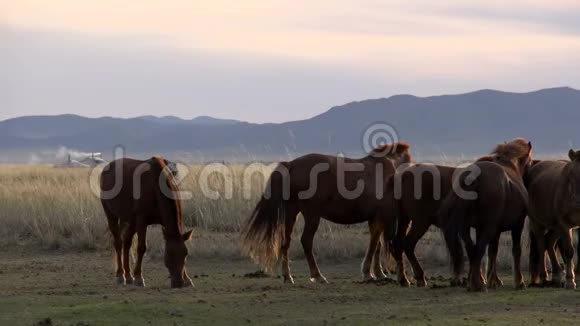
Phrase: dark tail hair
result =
(264, 231)
(452, 214)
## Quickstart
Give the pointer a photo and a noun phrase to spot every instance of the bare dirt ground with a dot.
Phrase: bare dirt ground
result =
(78, 289)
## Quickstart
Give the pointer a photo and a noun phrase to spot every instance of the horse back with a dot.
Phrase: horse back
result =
(135, 195)
(423, 188)
(542, 180)
(318, 182)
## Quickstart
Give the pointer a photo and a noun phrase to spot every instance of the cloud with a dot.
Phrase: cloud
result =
(56, 72)
(275, 60)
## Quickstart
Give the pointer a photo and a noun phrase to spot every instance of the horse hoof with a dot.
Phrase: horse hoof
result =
(520, 286)
(319, 279)
(381, 276)
(421, 283)
(288, 279)
(456, 283)
(404, 283)
(129, 280)
(120, 280)
(188, 283)
(368, 278)
(139, 282)
(495, 283)
(570, 285)
(558, 284)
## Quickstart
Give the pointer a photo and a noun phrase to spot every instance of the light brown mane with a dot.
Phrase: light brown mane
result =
(486, 158)
(515, 149)
(173, 185)
(392, 148)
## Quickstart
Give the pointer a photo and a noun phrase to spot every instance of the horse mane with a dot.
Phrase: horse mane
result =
(392, 148)
(486, 158)
(173, 186)
(515, 149)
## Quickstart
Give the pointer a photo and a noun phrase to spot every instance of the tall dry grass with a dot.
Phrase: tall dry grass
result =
(54, 208)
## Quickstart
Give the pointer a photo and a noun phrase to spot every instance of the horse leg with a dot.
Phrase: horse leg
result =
(141, 249)
(375, 230)
(415, 234)
(311, 224)
(398, 248)
(534, 258)
(540, 269)
(483, 239)
(458, 258)
(291, 213)
(493, 280)
(568, 250)
(377, 266)
(578, 251)
(115, 229)
(188, 282)
(551, 240)
(519, 282)
(128, 234)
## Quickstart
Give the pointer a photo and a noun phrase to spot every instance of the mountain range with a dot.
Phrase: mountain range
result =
(449, 125)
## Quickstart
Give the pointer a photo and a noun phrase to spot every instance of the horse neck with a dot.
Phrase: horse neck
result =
(168, 204)
(388, 165)
(512, 168)
(170, 220)
(563, 195)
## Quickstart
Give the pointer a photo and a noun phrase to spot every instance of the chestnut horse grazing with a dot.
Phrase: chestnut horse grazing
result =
(554, 190)
(341, 190)
(135, 194)
(493, 199)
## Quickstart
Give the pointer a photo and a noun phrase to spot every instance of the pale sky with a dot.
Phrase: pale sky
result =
(264, 61)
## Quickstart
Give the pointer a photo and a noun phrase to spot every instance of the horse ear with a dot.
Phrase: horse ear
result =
(187, 235)
(530, 147)
(572, 155)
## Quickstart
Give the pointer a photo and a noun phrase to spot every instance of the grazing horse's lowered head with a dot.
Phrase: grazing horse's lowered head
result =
(572, 175)
(175, 247)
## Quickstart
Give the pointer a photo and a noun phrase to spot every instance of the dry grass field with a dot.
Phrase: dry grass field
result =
(56, 208)
(55, 262)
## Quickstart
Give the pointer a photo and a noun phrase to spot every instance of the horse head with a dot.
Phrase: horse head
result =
(517, 153)
(398, 152)
(573, 177)
(175, 256)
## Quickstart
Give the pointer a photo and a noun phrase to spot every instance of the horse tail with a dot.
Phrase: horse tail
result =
(452, 217)
(264, 231)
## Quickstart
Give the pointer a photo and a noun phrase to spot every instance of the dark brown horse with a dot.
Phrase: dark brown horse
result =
(341, 190)
(420, 191)
(493, 199)
(135, 194)
(554, 190)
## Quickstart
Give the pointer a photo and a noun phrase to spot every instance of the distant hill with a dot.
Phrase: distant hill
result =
(465, 124)
(201, 120)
